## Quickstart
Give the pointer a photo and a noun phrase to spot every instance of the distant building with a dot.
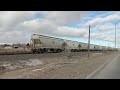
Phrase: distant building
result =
(5, 46)
(8, 47)
(19, 45)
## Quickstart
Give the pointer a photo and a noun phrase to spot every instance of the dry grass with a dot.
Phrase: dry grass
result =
(14, 51)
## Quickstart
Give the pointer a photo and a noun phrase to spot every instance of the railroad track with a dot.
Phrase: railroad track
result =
(29, 52)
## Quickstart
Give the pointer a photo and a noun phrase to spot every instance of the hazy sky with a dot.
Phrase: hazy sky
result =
(18, 26)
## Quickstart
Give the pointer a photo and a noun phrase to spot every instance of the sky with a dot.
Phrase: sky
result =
(18, 26)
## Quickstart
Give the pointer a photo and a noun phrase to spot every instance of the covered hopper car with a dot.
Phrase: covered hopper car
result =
(41, 44)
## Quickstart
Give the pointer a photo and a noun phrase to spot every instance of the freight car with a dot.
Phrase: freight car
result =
(92, 47)
(96, 47)
(103, 48)
(76, 46)
(73, 45)
(41, 43)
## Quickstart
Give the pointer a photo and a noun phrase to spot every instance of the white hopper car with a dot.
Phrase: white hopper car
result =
(41, 43)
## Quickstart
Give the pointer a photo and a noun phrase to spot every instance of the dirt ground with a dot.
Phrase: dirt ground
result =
(52, 65)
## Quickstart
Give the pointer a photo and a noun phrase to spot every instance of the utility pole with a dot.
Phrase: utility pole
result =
(115, 32)
(115, 35)
(89, 42)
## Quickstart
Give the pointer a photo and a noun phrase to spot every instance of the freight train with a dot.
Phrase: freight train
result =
(41, 44)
